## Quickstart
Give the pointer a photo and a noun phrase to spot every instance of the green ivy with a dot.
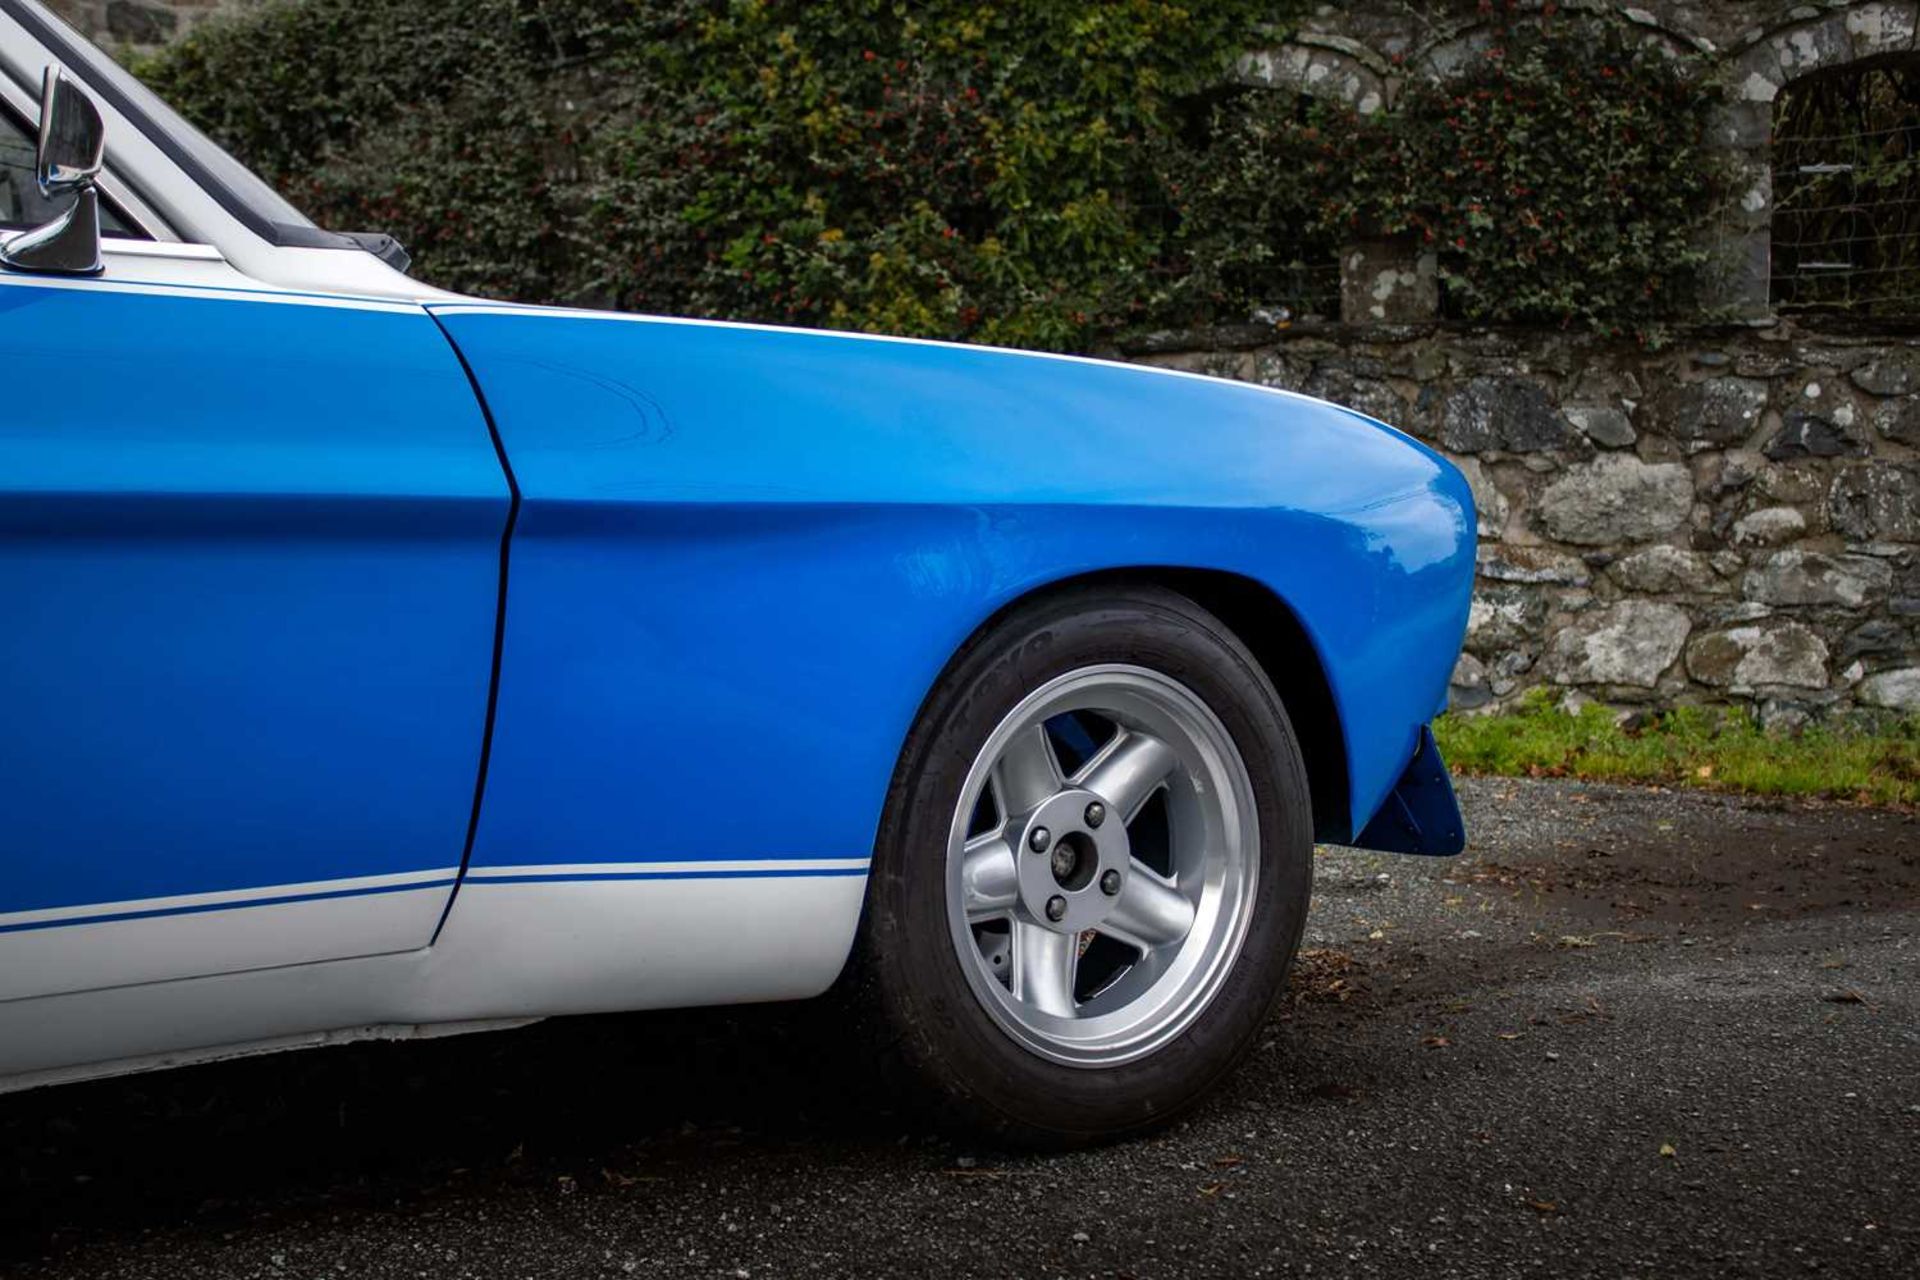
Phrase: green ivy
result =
(1048, 173)
(1561, 180)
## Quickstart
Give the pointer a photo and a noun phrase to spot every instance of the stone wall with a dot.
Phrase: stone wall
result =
(1735, 518)
(1364, 54)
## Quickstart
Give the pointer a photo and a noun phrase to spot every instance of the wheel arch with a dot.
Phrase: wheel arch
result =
(1263, 621)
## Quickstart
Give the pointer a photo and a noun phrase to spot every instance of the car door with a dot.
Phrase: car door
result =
(250, 565)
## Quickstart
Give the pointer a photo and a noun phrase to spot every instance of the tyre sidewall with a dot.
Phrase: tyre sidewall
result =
(941, 1028)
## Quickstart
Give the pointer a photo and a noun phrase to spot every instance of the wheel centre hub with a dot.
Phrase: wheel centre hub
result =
(1071, 871)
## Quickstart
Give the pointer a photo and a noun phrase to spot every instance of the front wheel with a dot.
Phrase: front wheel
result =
(1093, 870)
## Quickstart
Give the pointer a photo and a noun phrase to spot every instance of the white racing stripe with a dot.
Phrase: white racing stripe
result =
(103, 950)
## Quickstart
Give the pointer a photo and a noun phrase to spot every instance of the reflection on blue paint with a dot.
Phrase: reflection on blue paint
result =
(744, 556)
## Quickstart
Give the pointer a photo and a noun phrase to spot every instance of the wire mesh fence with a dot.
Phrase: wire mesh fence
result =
(1301, 280)
(1846, 190)
(1267, 273)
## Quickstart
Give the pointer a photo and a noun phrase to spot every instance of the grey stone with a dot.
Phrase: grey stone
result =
(138, 23)
(1897, 690)
(1778, 715)
(1809, 435)
(1505, 672)
(1467, 689)
(1609, 428)
(1772, 652)
(1390, 281)
(1664, 570)
(1769, 527)
(1509, 563)
(1894, 374)
(1721, 410)
(1877, 638)
(1287, 372)
(1489, 504)
(1789, 486)
(1877, 501)
(1515, 414)
(1504, 617)
(1630, 643)
(1809, 577)
(1744, 611)
(1343, 70)
(1617, 498)
(1741, 126)
(1899, 420)
(1763, 365)
(1729, 472)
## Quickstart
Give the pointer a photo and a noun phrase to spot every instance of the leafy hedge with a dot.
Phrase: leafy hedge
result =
(1038, 172)
(1559, 179)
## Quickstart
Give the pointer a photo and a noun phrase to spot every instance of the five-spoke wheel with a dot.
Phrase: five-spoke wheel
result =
(1093, 868)
(1086, 948)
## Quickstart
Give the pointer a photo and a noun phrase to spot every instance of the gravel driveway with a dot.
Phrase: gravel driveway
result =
(1632, 1032)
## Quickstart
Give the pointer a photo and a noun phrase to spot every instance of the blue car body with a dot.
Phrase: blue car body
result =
(761, 546)
(379, 661)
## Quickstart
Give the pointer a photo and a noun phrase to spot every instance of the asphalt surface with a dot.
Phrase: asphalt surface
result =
(1630, 1033)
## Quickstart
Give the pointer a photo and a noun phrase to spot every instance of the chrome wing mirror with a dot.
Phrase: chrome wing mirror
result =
(73, 142)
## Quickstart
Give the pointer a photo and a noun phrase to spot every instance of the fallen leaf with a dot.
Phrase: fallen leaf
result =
(1506, 1035)
(1543, 1206)
(1667, 1152)
(1844, 997)
(1704, 771)
(1212, 1188)
(1227, 1162)
(1436, 1042)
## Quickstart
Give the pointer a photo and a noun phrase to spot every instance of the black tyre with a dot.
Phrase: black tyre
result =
(1092, 872)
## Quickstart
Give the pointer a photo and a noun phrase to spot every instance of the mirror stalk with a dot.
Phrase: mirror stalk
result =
(71, 151)
(67, 246)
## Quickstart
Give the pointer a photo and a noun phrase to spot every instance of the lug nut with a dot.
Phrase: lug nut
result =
(1056, 907)
(1096, 814)
(1038, 839)
(1110, 883)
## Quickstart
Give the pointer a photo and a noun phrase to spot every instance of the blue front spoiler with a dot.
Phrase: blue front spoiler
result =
(1421, 814)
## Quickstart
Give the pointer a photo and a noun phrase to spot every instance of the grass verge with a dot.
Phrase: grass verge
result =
(1689, 746)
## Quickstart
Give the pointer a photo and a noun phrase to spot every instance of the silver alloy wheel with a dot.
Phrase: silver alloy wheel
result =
(1101, 865)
